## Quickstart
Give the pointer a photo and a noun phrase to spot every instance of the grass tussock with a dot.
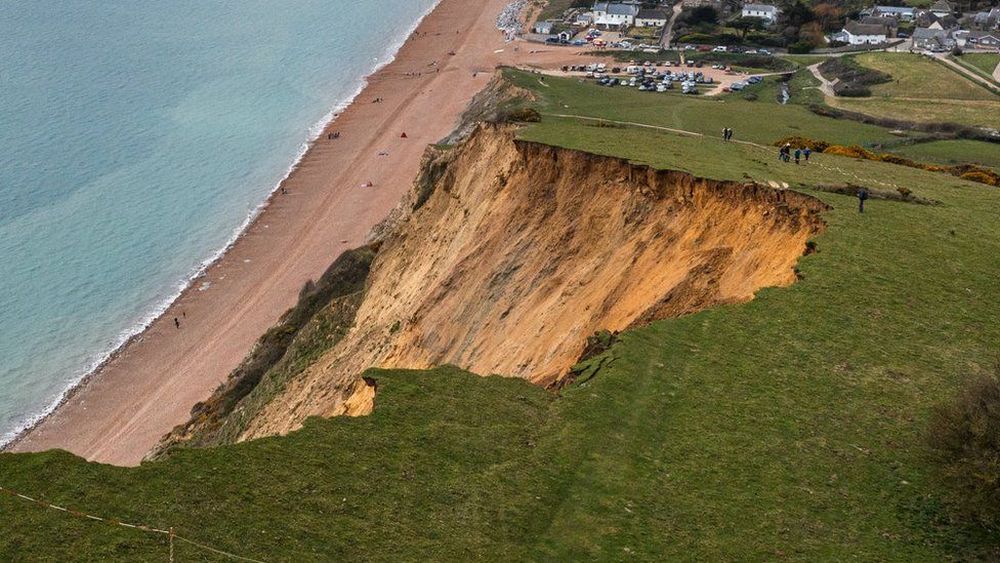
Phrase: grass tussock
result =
(964, 436)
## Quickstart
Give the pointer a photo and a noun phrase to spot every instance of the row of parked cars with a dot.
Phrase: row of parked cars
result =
(635, 68)
(737, 86)
(729, 49)
(657, 81)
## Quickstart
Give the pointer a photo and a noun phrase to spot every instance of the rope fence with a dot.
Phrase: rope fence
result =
(169, 532)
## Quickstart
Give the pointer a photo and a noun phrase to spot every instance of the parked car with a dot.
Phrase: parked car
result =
(719, 49)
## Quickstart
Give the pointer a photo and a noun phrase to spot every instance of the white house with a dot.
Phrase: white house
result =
(614, 14)
(902, 13)
(980, 39)
(855, 33)
(651, 18)
(765, 12)
(544, 28)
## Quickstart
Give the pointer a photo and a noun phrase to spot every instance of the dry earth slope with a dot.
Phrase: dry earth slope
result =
(517, 252)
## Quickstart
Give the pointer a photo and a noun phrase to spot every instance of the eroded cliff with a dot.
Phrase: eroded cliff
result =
(516, 252)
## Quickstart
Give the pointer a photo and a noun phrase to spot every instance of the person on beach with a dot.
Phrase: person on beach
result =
(177, 322)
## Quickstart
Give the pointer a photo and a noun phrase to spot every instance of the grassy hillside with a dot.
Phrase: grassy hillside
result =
(954, 152)
(923, 90)
(790, 427)
(984, 63)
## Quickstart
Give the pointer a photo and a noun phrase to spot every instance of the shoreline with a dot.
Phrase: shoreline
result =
(9, 440)
(69, 425)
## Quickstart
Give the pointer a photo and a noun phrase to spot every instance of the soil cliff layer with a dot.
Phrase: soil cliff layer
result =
(515, 252)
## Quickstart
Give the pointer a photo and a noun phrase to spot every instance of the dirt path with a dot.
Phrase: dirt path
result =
(967, 73)
(996, 73)
(326, 208)
(825, 85)
(668, 33)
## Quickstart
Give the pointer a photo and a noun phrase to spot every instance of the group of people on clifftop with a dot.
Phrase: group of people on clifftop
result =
(785, 154)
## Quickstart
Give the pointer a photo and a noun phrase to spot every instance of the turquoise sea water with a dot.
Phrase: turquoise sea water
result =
(135, 141)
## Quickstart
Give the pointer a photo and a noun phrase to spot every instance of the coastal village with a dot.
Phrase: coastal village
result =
(749, 27)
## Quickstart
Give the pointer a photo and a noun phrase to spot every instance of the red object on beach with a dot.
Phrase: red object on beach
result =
(403, 136)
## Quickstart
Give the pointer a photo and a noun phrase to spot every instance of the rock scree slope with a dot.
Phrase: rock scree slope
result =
(511, 253)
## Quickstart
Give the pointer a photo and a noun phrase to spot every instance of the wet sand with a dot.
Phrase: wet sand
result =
(123, 409)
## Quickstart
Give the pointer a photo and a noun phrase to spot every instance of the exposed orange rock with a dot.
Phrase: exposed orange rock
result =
(522, 251)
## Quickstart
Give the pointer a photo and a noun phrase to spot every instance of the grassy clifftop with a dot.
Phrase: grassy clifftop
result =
(788, 427)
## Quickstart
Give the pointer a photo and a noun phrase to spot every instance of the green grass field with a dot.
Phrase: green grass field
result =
(924, 91)
(787, 428)
(984, 63)
(918, 77)
(956, 151)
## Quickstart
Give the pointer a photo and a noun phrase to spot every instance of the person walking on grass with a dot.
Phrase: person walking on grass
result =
(798, 154)
(806, 152)
(862, 196)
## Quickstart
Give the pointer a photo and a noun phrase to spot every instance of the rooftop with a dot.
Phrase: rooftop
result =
(856, 28)
(760, 7)
(651, 14)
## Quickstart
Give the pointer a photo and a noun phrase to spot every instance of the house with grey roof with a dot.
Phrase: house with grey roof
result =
(987, 20)
(891, 23)
(651, 18)
(981, 39)
(857, 33)
(934, 40)
(941, 8)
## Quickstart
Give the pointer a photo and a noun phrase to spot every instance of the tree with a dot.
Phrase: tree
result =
(829, 16)
(798, 14)
(812, 33)
(744, 25)
(703, 14)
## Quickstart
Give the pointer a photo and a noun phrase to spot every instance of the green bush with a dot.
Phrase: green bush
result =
(800, 48)
(964, 436)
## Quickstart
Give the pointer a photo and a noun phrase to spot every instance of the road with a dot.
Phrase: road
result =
(668, 33)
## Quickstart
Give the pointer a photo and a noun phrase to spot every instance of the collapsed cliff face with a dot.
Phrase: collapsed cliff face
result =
(517, 252)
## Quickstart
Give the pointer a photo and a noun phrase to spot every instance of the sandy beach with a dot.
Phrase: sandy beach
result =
(323, 208)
